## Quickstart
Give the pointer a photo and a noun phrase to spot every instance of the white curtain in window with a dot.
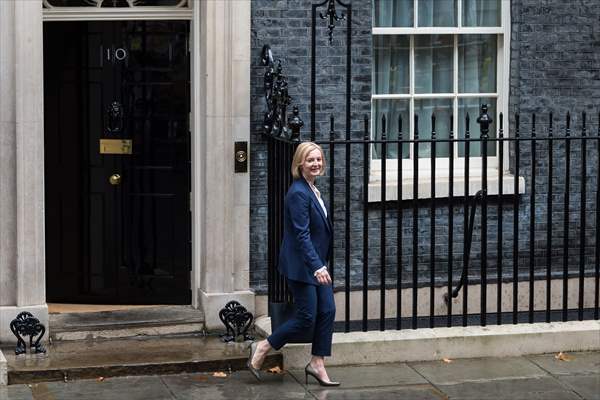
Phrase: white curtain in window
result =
(391, 76)
(481, 13)
(442, 110)
(477, 63)
(434, 63)
(437, 12)
(393, 13)
(393, 109)
(391, 71)
(476, 74)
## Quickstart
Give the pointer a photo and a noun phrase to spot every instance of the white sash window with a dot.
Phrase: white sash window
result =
(442, 57)
(116, 3)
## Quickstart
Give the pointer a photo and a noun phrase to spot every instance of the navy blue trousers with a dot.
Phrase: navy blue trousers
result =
(313, 305)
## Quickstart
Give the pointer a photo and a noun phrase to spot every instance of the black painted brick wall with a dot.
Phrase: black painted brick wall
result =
(286, 26)
(555, 66)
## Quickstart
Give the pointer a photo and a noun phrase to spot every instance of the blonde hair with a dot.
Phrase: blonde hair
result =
(300, 155)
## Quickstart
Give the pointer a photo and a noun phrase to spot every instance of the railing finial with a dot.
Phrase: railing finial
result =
(295, 123)
(484, 121)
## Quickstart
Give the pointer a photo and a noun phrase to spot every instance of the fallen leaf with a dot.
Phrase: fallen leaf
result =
(446, 360)
(201, 378)
(563, 356)
(220, 374)
(275, 370)
(100, 379)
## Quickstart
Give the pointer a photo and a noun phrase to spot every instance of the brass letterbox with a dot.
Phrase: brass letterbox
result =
(116, 146)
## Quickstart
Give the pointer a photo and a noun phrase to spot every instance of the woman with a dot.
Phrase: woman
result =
(303, 258)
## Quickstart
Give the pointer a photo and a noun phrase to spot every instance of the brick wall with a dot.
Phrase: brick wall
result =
(555, 54)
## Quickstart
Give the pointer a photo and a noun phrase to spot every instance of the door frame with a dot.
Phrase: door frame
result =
(191, 14)
(220, 90)
(221, 99)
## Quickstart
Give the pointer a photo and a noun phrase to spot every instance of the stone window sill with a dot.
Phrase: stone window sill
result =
(442, 187)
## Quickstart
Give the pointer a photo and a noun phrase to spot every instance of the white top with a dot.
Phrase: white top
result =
(318, 194)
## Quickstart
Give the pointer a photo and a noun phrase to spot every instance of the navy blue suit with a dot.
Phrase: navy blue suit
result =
(306, 247)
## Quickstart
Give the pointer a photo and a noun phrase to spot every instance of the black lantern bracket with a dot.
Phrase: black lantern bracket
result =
(333, 17)
(276, 121)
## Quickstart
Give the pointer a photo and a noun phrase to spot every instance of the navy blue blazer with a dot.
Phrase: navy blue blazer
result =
(307, 234)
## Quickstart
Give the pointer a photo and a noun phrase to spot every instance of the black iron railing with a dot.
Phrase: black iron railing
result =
(552, 235)
(467, 253)
(456, 237)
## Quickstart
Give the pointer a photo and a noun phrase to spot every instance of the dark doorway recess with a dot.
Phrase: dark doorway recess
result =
(117, 162)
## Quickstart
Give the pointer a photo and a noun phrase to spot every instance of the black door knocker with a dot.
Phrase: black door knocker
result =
(114, 116)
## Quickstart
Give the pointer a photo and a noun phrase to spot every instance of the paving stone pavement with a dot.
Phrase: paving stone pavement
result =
(514, 378)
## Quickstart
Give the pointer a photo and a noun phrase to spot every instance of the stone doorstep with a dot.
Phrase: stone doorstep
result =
(108, 371)
(127, 332)
(356, 348)
(150, 321)
(73, 360)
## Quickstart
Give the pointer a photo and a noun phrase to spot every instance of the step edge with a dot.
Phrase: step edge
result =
(133, 369)
(126, 334)
(128, 325)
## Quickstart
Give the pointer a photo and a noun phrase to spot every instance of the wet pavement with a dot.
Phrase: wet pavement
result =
(126, 357)
(530, 377)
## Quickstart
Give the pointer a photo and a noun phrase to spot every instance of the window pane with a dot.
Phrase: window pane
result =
(477, 63)
(442, 109)
(393, 109)
(472, 106)
(437, 12)
(115, 3)
(391, 72)
(393, 13)
(433, 63)
(481, 13)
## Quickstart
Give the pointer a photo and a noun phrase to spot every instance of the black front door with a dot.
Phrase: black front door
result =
(117, 162)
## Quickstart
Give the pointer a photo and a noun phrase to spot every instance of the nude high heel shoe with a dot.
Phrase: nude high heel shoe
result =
(310, 371)
(253, 371)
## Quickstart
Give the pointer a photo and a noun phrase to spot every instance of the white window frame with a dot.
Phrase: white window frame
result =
(442, 163)
(183, 10)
